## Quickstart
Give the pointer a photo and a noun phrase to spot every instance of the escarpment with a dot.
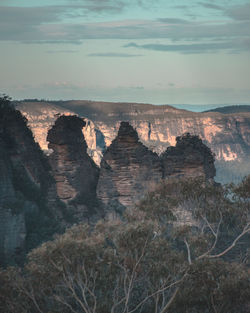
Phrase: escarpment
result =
(128, 170)
(189, 158)
(75, 173)
(228, 135)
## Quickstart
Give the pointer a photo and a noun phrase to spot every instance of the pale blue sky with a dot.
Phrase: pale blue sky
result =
(157, 51)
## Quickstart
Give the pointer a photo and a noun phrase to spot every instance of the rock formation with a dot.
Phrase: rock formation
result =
(38, 197)
(41, 117)
(75, 173)
(24, 181)
(128, 170)
(189, 158)
(228, 135)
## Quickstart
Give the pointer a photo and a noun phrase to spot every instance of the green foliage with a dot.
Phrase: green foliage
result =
(214, 286)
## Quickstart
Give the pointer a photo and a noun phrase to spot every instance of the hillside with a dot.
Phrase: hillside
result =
(231, 109)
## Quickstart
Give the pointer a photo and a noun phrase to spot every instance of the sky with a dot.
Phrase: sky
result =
(149, 51)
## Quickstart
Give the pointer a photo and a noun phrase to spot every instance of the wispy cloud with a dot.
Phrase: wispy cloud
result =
(61, 51)
(173, 20)
(114, 55)
(187, 48)
(211, 47)
(209, 5)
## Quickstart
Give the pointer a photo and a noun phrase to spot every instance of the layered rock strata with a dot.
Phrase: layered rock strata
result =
(189, 158)
(128, 170)
(75, 173)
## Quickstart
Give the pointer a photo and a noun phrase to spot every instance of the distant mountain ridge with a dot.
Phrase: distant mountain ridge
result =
(231, 109)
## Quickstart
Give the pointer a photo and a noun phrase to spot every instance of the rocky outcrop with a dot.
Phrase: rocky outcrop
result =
(24, 181)
(128, 170)
(75, 173)
(189, 158)
(41, 117)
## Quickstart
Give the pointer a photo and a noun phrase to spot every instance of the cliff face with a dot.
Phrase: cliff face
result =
(228, 135)
(128, 170)
(75, 173)
(12, 225)
(189, 158)
(24, 181)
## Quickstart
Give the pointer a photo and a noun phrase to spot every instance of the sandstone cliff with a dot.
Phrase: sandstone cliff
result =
(189, 158)
(128, 170)
(75, 173)
(228, 135)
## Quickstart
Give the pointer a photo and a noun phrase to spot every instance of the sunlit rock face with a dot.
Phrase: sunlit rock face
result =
(189, 158)
(94, 140)
(128, 170)
(41, 117)
(228, 137)
(75, 173)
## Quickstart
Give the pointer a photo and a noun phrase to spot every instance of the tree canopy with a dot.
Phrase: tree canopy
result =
(182, 249)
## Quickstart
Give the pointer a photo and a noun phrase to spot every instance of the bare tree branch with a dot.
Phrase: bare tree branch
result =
(245, 231)
(188, 251)
(216, 235)
(171, 300)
